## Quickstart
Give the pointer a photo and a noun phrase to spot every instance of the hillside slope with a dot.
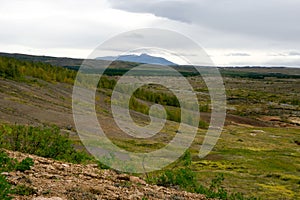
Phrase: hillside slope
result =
(49, 179)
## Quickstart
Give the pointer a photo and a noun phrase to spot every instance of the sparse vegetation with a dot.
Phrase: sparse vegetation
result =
(42, 141)
(184, 177)
(8, 164)
(5, 189)
(24, 190)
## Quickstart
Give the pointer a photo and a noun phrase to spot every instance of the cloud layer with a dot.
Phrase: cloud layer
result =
(276, 19)
(233, 32)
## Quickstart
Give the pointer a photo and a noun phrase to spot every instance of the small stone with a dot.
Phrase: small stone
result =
(109, 187)
(135, 179)
(124, 177)
(69, 127)
(5, 173)
(50, 167)
(92, 165)
(65, 165)
(93, 175)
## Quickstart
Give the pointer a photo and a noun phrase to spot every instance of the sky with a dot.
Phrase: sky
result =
(232, 32)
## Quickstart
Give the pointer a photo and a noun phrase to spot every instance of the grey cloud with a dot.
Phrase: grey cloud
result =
(276, 19)
(294, 53)
(168, 9)
(276, 54)
(291, 53)
(276, 62)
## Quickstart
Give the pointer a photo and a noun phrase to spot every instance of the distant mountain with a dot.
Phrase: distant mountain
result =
(143, 58)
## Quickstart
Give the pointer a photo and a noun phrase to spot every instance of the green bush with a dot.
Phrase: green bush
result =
(8, 164)
(24, 190)
(155, 96)
(5, 189)
(203, 124)
(183, 176)
(42, 141)
(24, 165)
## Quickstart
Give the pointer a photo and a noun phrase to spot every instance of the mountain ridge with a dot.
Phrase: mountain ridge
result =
(143, 58)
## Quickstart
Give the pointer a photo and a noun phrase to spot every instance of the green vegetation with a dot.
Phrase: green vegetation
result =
(182, 175)
(42, 141)
(107, 83)
(162, 98)
(255, 75)
(5, 189)
(24, 165)
(18, 70)
(8, 164)
(264, 161)
(24, 190)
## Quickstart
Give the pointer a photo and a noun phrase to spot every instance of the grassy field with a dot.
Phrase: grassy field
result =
(259, 161)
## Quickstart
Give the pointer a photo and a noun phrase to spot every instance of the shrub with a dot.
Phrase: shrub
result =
(24, 165)
(24, 190)
(203, 124)
(5, 189)
(8, 164)
(42, 141)
(183, 176)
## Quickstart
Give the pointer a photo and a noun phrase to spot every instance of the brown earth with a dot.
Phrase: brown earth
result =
(52, 179)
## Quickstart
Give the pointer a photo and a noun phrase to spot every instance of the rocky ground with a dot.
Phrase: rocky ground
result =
(56, 180)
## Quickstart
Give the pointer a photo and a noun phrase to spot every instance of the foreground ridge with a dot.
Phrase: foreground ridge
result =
(56, 180)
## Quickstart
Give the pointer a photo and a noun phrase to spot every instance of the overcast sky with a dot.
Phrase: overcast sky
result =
(232, 32)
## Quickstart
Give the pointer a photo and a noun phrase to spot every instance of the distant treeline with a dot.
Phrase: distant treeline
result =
(17, 70)
(188, 73)
(255, 75)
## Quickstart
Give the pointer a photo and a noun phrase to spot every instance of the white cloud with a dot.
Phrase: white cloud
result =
(75, 27)
(56, 24)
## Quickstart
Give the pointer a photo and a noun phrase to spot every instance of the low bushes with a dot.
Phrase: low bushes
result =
(184, 177)
(8, 164)
(42, 141)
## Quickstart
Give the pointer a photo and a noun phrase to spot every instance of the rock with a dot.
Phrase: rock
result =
(65, 165)
(257, 131)
(92, 165)
(50, 167)
(98, 190)
(135, 179)
(5, 173)
(69, 127)
(124, 177)
(92, 175)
